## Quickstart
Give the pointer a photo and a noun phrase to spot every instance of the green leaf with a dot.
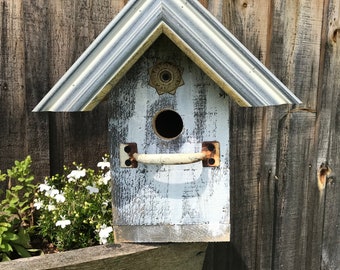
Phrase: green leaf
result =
(13, 202)
(5, 224)
(10, 236)
(22, 251)
(23, 207)
(6, 247)
(23, 238)
(2, 177)
(17, 188)
(5, 258)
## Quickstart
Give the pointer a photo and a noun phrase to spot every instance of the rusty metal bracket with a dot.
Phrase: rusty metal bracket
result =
(210, 156)
(126, 152)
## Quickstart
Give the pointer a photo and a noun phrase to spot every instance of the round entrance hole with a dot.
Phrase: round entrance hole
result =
(168, 124)
(165, 76)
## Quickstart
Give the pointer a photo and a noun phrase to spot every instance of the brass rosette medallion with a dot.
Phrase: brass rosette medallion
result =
(165, 78)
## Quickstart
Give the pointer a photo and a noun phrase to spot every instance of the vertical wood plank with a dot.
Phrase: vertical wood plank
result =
(80, 137)
(12, 84)
(37, 82)
(294, 178)
(251, 187)
(295, 46)
(295, 56)
(252, 144)
(328, 140)
(23, 73)
(331, 230)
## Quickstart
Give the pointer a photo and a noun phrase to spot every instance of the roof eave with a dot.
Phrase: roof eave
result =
(200, 36)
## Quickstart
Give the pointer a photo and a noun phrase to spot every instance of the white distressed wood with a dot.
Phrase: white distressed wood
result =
(177, 200)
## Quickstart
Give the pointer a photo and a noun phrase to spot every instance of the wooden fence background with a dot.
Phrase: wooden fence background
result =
(285, 209)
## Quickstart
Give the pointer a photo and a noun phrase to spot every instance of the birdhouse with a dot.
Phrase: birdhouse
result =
(170, 71)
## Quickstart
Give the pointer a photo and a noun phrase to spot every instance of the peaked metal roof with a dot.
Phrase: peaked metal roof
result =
(193, 29)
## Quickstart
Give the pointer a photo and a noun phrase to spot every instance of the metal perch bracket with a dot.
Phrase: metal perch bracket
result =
(209, 155)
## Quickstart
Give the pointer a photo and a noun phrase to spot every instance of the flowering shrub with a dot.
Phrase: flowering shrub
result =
(75, 208)
(16, 211)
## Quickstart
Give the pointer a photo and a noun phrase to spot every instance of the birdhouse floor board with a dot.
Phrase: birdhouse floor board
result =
(161, 202)
(174, 233)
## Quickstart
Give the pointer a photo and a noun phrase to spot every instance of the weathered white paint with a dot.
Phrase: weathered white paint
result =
(170, 203)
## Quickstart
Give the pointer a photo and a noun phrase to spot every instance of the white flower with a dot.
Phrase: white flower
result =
(92, 189)
(76, 174)
(103, 164)
(63, 222)
(71, 179)
(104, 233)
(105, 203)
(59, 198)
(51, 207)
(44, 187)
(38, 204)
(105, 178)
(52, 192)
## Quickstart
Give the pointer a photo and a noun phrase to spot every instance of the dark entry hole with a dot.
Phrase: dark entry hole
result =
(128, 162)
(168, 124)
(211, 147)
(211, 161)
(165, 76)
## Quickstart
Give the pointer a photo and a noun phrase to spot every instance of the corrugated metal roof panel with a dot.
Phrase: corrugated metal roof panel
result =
(193, 29)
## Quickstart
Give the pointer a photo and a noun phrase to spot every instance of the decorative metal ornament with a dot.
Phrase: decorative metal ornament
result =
(165, 78)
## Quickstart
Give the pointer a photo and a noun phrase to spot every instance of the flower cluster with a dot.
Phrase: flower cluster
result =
(75, 208)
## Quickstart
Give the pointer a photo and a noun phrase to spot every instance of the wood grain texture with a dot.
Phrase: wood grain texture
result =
(12, 83)
(275, 223)
(299, 41)
(80, 137)
(188, 202)
(125, 256)
(23, 73)
(327, 137)
(253, 157)
(294, 183)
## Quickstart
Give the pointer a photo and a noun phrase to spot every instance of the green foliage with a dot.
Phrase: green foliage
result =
(16, 211)
(75, 208)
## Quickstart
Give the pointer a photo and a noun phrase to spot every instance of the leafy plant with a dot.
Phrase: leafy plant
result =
(75, 208)
(16, 211)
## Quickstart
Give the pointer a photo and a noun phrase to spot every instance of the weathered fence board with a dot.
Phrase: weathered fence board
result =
(292, 188)
(328, 135)
(125, 256)
(17, 89)
(73, 26)
(283, 216)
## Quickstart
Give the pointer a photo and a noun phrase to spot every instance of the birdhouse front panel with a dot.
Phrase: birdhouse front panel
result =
(169, 130)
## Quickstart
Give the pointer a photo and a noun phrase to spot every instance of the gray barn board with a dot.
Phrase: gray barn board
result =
(280, 219)
(116, 257)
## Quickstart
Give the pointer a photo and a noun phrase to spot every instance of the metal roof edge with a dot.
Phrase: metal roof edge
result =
(193, 29)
